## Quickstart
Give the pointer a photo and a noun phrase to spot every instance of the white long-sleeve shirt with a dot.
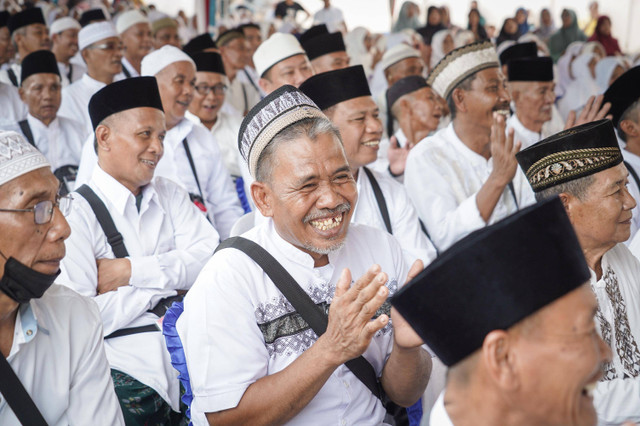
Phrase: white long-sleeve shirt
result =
(443, 177)
(12, 107)
(617, 395)
(634, 188)
(221, 199)
(58, 355)
(75, 71)
(168, 243)
(75, 101)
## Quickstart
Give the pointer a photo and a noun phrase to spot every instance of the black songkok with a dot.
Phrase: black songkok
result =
(492, 279)
(39, 62)
(330, 88)
(622, 93)
(26, 17)
(135, 92)
(404, 86)
(4, 18)
(199, 43)
(531, 69)
(323, 45)
(571, 154)
(208, 62)
(92, 15)
(519, 50)
(313, 32)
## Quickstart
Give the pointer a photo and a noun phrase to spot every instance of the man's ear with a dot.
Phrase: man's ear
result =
(458, 96)
(629, 128)
(499, 360)
(263, 198)
(103, 133)
(21, 93)
(264, 84)
(567, 202)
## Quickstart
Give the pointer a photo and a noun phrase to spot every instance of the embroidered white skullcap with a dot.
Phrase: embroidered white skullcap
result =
(396, 54)
(279, 109)
(459, 64)
(18, 157)
(128, 19)
(95, 32)
(276, 48)
(159, 59)
(63, 24)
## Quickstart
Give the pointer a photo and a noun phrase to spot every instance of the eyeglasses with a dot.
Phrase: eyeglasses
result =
(218, 89)
(43, 211)
(113, 46)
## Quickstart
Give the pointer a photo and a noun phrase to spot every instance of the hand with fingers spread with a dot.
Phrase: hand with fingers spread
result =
(350, 328)
(593, 111)
(397, 156)
(404, 335)
(503, 151)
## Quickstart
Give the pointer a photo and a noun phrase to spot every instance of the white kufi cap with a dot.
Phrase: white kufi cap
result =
(128, 19)
(396, 54)
(276, 48)
(159, 59)
(63, 24)
(18, 157)
(95, 32)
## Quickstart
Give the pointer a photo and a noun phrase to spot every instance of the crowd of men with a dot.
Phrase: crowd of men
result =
(279, 228)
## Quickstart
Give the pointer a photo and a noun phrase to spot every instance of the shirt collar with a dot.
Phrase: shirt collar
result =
(92, 82)
(531, 136)
(452, 138)
(176, 134)
(118, 194)
(36, 124)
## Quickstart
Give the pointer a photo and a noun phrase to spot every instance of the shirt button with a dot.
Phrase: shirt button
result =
(343, 422)
(346, 384)
(29, 332)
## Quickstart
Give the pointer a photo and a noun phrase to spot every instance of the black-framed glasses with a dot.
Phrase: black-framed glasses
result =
(110, 46)
(204, 89)
(43, 211)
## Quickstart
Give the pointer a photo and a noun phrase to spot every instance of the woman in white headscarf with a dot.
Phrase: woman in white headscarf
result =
(582, 87)
(441, 44)
(608, 70)
(358, 42)
(564, 67)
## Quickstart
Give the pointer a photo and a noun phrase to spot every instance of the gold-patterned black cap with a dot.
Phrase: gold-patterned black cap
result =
(571, 154)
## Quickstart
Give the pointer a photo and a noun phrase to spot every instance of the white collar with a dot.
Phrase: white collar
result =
(177, 133)
(117, 193)
(36, 124)
(520, 128)
(401, 137)
(439, 416)
(452, 138)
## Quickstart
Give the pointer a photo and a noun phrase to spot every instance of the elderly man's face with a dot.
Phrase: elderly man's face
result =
(235, 53)
(66, 42)
(40, 247)
(603, 218)
(425, 110)
(164, 36)
(176, 83)
(330, 61)
(312, 194)
(487, 94)
(534, 101)
(137, 40)
(360, 128)
(132, 145)
(36, 37)
(42, 94)
(294, 71)
(206, 106)
(559, 359)
(404, 68)
(105, 54)
(254, 38)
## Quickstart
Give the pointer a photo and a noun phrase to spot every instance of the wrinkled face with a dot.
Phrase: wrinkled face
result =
(176, 83)
(330, 61)
(404, 68)
(137, 40)
(254, 38)
(41, 247)
(132, 147)
(105, 55)
(534, 100)
(206, 107)
(66, 42)
(487, 95)
(236, 53)
(294, 71)
(360, 128)
(603, 218)
(5, 45)
(167, 35)
(42, 94)
(425, 109)
(36, 37)
(565, 344)
(312, 194)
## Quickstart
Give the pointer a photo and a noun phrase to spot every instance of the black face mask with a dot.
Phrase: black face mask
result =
(22, 283)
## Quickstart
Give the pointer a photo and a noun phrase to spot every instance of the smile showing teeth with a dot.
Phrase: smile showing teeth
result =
(588, 390)
(326, 224)
(148, 162)
(371, 143)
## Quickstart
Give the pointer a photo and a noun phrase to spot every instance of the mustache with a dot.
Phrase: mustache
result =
(342, 208)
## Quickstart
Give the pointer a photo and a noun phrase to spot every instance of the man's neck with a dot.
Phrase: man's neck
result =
(475, 137)
(63, 59)
(633, 146)
(467, 407)
(172, 122)
(135, 62)
(209, 124)
(534, 126)
(593, 256)
(45, 121)
(412, 131)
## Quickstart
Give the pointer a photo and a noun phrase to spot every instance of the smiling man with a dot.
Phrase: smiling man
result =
(50, 337)
(281, 60)
(256, 359)
(164, 243)
(325, 50)
(64, 39)
(134, 30)
(583, 165)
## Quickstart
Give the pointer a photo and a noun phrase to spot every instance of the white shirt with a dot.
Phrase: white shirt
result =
(250, 76)
(617, 395)
(226, 351)
(4, 74)
(443, 177)
(75, 101)
(529, 137)
(58, 355)
(242, 96)
(12, 107)
(439, 416)
(332, 17)
(220, 196)
(402, 215)
(634, 189)
(126, 65)
(76, 72)
(168, 243)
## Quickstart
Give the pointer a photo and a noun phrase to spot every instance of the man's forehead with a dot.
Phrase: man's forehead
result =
(40, 78)
(294, 61)
(177, 69)
(210, 76)
(359, 104)
(39, 182)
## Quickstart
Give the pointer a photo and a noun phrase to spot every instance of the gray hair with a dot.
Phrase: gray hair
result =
(20, 31)
(577, 188)
(308, 127)
(630, 113)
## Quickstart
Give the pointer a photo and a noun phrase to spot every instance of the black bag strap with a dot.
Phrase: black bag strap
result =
(125, 71)
(303, 304)
(382, 203)
(26, 130)
(513, 193)
(185, 144)
(633, 173)
(12, 77)
(70, 73)
(132, 330)
(106, 223)
(17, 396)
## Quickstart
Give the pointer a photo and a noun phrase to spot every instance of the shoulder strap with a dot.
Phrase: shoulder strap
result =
(382, 204)
(125, 71)
(633, 173)
(70, 73)
(251, 80)
(26, 130)
(513, 194)
(17, 396)
(12, 77)
(185, 144)
(106, 222)
(302, 303)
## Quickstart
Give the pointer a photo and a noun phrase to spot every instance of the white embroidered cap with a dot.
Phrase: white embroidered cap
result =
(459, 64)
(63, 24)
(396, 54)
(18, 157)
(276, 48)
(159, 59)
(95, 32)
(128, 19)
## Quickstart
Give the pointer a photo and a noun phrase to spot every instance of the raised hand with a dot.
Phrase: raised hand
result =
(113, 273)
(503, 151)
(593, 110)
(397, 156)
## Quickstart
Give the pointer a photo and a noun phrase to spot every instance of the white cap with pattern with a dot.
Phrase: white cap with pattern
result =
(396, 54)
(18, 157)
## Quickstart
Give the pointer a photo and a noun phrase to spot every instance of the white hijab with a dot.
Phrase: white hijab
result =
(581, 88)
(605, 69)
(437, 50)
(564, 76)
